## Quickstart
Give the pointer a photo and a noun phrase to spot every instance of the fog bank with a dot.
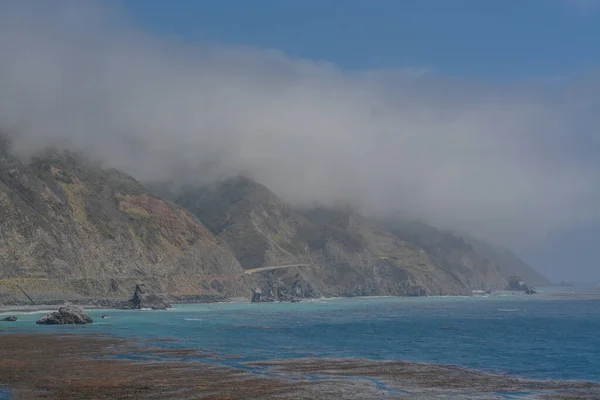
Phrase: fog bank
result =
(510, 163)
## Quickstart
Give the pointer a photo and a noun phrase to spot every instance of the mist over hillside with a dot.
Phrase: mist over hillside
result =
(72, 230)
(503, 162)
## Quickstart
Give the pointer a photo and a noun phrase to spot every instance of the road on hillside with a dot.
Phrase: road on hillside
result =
(261, 269)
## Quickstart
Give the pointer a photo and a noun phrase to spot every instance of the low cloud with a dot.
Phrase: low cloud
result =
(511, 163)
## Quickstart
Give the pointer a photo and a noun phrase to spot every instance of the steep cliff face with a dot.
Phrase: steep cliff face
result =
(452, 254)
(255, 223)
(69, 228)
(508, 262)
(337, 251)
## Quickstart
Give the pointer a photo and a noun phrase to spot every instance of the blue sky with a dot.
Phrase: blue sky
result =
(477, 115)
(492, 40)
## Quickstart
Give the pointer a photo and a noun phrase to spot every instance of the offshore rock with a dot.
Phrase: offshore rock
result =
(10, 318)
(66, 315)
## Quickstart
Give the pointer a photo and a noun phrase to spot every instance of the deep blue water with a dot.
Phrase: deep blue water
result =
(548, 336)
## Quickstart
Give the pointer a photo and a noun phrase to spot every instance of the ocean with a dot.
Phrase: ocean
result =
(552, 335)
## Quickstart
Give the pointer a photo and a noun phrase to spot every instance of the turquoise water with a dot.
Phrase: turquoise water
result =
(548, 336)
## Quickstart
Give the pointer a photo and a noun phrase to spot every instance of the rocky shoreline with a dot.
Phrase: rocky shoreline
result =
(87, 367)
(274, 290)
(258, 297)
(271, 289)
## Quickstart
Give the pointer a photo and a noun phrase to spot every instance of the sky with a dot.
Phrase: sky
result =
(514, 40)
(475, 115)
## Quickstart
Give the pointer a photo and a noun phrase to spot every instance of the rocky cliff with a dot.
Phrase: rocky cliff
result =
(337, 252)
(451, 253)
(70, 229)
(508, 262)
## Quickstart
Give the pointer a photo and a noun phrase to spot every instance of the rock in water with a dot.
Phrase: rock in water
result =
(11, 318)
(66, 315)
(141, 300)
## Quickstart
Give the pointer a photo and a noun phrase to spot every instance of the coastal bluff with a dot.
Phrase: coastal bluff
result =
(72, 230)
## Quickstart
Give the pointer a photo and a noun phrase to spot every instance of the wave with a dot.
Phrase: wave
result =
(17, 312)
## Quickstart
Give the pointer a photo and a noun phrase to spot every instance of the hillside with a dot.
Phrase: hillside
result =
(255, 223)
(508, 262)
(451, 253)
(343, 253)
(70, 229)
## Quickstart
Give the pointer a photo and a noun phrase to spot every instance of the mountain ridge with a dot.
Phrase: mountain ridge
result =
(509, 263)
(264, 230)
(71, 229)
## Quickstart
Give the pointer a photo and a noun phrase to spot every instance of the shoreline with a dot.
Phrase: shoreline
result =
(111, 304)
(41, 308)
(98, 366)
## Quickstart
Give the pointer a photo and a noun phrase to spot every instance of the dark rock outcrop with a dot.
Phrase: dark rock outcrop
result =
(66, 315)
(298, 290)
(10, 318)
(518, 284)
(256, 295)
(292, 288)
(144, 299)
